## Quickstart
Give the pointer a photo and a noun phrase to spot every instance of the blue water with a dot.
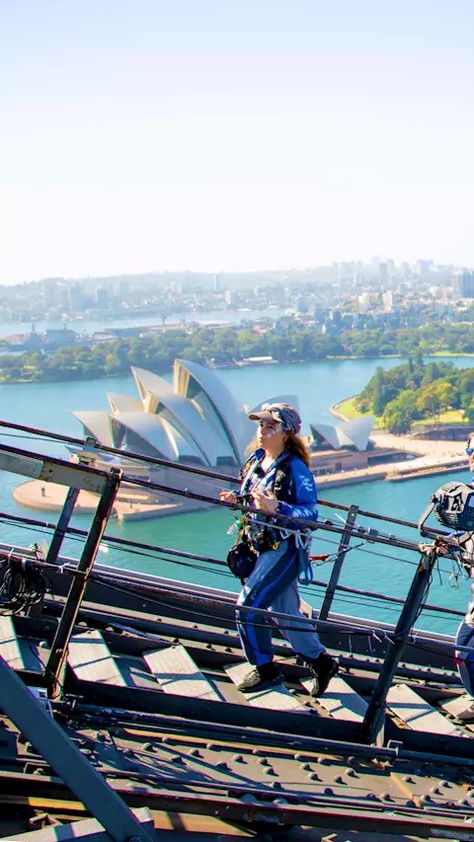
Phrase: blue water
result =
(317, 385)
(90, 325)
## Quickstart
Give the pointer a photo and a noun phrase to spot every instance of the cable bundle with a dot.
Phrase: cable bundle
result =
(21, 583)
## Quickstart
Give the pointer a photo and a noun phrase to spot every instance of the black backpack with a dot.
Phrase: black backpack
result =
(453, 506)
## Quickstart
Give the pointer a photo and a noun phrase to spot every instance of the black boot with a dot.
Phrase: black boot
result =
(267, 675)
(323, 668)
(466, 715)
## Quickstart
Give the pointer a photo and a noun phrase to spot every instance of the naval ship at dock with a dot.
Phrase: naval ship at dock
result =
(120, 716)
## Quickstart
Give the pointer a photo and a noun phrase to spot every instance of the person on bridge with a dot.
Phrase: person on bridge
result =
(276, 480)
(465, 632)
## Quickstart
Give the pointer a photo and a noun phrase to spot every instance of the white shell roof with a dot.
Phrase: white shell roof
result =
(348, 434)
(229, 415)
(183, 415)
(162, 437)
(96, 424)
(123, 403)
(196, 418)
(150, 429)
(329, 433)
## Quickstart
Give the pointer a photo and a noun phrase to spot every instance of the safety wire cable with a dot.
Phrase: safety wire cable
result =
(130, 547)
(98, 577)
(138, 549)
(308, 625)
(95, 447)
(266, 615)
(363, 532)
(351, 596)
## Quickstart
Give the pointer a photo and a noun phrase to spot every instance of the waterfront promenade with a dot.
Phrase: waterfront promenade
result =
(131, 503)
(432, 457)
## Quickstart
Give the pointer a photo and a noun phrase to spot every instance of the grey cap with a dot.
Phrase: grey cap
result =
(283, 413)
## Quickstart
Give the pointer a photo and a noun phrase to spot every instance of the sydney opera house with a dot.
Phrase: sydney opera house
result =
(193, 420)
(196, 420)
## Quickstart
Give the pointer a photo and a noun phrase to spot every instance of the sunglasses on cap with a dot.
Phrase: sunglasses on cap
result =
(269, 425)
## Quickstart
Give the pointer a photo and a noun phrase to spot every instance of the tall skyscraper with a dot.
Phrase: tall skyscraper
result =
(463, 284)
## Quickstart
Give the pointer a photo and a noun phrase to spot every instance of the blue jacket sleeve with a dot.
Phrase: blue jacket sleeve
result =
(304, 498)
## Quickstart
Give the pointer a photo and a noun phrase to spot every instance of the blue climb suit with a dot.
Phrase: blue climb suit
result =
(465, 632)
(273, 583)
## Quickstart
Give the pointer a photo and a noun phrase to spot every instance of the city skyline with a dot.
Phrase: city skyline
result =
(208, 137)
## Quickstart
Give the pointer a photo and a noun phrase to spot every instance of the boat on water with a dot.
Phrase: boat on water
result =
(121, 716)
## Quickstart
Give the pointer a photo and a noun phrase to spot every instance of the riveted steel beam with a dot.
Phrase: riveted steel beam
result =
(66, 759)
(51, 469)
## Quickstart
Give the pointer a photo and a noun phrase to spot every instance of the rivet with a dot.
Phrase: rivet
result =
(176, 758)
(351, 773)
(222, 765)
(371, 796)
(268, 770)
(148, 747)
(257, 752)
(408, 779)
(264, 761)
(313, 776)
(410, 803)
(238, 758)
(194, 752)
(386, 796)
(306, 767)
(339, 780)
(328, 791)
(323, 761)
(276, 785)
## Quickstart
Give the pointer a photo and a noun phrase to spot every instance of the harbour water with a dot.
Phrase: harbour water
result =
(90, 325)
(318, 386)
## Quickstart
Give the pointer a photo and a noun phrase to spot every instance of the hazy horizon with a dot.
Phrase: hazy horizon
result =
(233, 137)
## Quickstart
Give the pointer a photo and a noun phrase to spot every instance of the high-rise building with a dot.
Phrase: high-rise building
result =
(102, 298)
(463, 284)
(50, 291)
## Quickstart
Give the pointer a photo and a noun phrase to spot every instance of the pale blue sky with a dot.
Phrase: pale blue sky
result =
(142, 135)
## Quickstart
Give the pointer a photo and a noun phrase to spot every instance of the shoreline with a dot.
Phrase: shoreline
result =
(238, 365)
(130, 504)
(387, 475)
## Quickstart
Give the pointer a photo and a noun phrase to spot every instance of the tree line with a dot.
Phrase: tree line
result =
(293, 343)
(418, 390)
